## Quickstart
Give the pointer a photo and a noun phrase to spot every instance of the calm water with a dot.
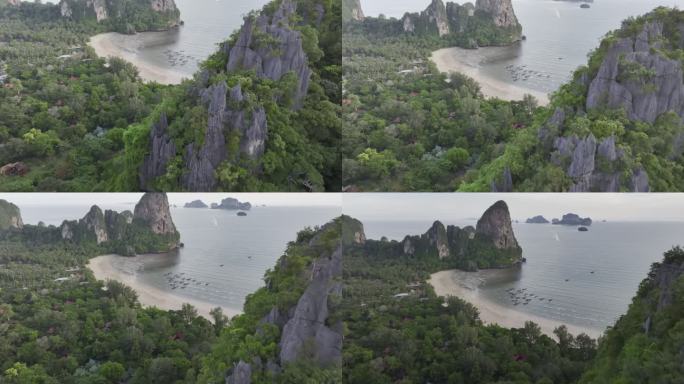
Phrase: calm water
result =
(246, 246)
(619, 254)
(559, 35)
(207, 23)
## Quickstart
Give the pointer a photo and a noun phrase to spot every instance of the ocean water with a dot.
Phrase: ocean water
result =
(227, 255)
(590, 277)
(559, 34)
(207, 23)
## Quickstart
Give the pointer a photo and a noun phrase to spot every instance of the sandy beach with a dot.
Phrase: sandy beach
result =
(465, 285)
(126, 47)
(468, 61)
(123, 269)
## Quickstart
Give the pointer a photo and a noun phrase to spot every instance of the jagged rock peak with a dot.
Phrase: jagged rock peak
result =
(94, 222)
(162, 150)
(659, 88)
(10, 216)
(307, 332)
(153, 209)
(196, 204)
(437, 237)
(232, 204)
(352, 231)
(495, 224)
(501, 10)
(104, 9)
(351, 10)
(273, 62)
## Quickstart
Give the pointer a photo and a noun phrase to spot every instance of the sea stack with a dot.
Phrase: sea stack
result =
(153, 209)
(495, 224)
(196, 204)
(537, 220)
(10, 216)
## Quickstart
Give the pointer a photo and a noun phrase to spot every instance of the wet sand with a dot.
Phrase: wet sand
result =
(127, 46)
(123, 270)
(465, 286)
(468, 62)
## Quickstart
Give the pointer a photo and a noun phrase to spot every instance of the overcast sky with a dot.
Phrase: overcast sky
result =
(455, 206)
(270, 199)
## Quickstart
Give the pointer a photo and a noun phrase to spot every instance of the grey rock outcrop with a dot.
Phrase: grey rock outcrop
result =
(195, 204)
(537, 220)
(232, 204)
(153, 209)
(495, 225)
(201, 162)
(162, 151)
(10, 216)
(351, 10)
(505, 184)
(433, 18)
(635, 76)
(117, 223)
(665, 278)
(437, 237)
(573, 219)
(94, 222)
(306, 331)
(269, 61)
(242, 374)
(501, 11)
(103, 10)
(163, 5)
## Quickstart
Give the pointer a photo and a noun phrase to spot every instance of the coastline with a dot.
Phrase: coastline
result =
(468, 61)
(105, 267)
(126, 47)
(465, 286)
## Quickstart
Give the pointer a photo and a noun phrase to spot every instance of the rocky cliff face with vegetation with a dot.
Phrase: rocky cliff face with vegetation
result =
(492, 244)
(455, 19)
(10, 216)
(645, 344)
(126, 16)
(351, 10)
(258, 79)
(149, 230)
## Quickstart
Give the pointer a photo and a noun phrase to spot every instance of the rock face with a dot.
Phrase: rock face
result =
(454, 18)
(10, 216)
(437, 237)
(306, 333)
(351, 10)
(232, 204)
(242, 374)
(495, 224)
(573, 219)
(14, 169)
(162, 150)
(94, 222)
(501, 11)
(196, 204)
(537, 220)
(272, 62)
(15, 3)
(153, 209)
(103, 10)
(635, 76)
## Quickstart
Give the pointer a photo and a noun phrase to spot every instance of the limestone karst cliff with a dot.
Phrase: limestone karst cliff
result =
(351, 10)
(232, 204)
(149, 229)
(451, 18)
(124, 16)
(309, 331)
(10, 216)
(491, 244)
(236, 131)
(495, 226)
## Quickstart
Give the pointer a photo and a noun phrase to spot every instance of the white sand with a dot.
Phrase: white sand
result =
(465, 286)
(126, 47)
(123, 269)
(468, 62)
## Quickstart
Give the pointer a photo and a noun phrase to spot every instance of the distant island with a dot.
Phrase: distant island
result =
(232, 204)
(572, 219)
(196, 204)
(537, 220)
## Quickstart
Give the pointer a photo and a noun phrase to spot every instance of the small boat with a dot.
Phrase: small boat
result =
(241, 213)
(583, 229)
(585, 6)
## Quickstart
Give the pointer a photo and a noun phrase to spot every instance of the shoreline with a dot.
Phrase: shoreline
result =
(468, 62)
(104, 268)
(126, 47)
(465, 286)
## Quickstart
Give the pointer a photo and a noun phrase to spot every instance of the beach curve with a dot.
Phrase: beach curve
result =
(465, 286)
(468, 62)
(104, 268)
(126, 47)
